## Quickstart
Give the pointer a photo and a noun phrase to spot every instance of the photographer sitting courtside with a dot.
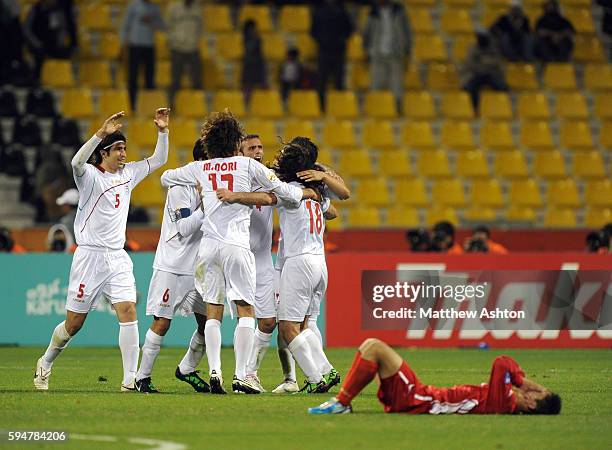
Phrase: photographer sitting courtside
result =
(480, 242)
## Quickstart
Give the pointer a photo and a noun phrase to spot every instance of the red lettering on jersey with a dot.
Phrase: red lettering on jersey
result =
(207, 166)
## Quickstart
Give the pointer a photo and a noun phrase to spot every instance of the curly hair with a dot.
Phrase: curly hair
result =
(221, 135)
(298, 155)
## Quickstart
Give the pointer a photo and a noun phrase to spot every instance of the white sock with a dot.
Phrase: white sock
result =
(150, 350)
(318, 355)
(194, 354)
(286, 359)
(261, 342)
(212, 337)
(300, 349)
(312, 325)
(59, 341)
(243, 343)
(128, 343)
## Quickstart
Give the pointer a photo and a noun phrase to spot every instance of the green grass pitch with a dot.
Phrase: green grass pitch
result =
(79, 403)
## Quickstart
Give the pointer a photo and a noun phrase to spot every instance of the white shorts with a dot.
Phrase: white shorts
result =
(265, 287)
(171, 294)
(302, 285)
(225, 271)
(96, 273)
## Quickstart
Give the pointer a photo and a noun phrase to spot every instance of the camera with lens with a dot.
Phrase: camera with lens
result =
(477, 245)
(6, 240)
(419, 240)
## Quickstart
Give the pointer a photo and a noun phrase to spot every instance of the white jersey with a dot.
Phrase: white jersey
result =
(302, 227)
(104, 201)
(175, 253)
(224, 222)
(261, 229)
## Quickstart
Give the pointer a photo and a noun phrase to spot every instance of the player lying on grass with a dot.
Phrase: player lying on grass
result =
(400, 391)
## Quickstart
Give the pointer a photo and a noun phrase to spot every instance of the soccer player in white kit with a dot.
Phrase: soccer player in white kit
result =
(101, 267)
(226, 266)
(172, 289)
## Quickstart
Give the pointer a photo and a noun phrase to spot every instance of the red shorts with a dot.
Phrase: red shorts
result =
(397, 392)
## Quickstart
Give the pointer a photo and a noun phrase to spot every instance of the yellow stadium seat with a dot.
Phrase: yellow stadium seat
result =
(304, 104)
(581, 19)
(456, 105)
(491, 13)
(560, 218)
(411, 192)
(495, 105)
(149, 193)
(230, 46)
(588, 49)
(163, 76)
(441, 77)
(395, 163)
(85, 49)
(598, 193)
(296, 127)
(452, 4)
(521, 77)
(418, 135)
(560, 76)
(511, 164)
(420, 20)
(142, 133)
(161, 46)
(563, 193)
(380, 105)
(589, 165)
(399, 217)
(525, 193)
(355, 163)
(259, 13)
(605, 135)
(184, 133)
(111, 101)
(206, 53)
(57, 73)
(339, 134)
(598, 77)
(516, 213)
(429, 48)
(95, 16)
(550, 164)
(373, 192)
(306, 45)
(472, 164)
(536, 135)
(378, 134)
(572, 105)
(461, 45)
(191, 103)
(266, 104)
(487, 193)
(359, 76)
(457, 135)
(419, 105)
(77, 103)
(234, 100)
(412, 78)
(496, 135)
(149, 100)
(456, 21)
(354, 50)
(266, 131)
(439, 214)
(95, 74)
(575, 135)
(448, 193)
(433, 164)
(364, 218)
(274, 47)
(325, 157)
(109, 46)
(603, 105)
(480, 214)
(213, 77)
(533, 106)
(342, 105)
(597, 217)
(217, 18)
(295, 19)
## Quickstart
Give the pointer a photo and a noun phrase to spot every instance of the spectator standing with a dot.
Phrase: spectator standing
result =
(184, 32)
(50, 31)
(68, 203)
(387, 41)
(606, 20)
(291, 71)
(253, 64)
(331, 28)
(12, 38)
(137, 34)
(483, 67)
(555, 34)
(513, 34)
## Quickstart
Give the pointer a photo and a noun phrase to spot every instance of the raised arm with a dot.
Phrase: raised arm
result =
(160, 155)
(332, 180)
(81, 157)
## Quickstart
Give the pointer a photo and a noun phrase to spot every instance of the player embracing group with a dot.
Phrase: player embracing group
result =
(214, 247)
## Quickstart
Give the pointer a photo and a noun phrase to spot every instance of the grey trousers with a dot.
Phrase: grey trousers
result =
(387, 73)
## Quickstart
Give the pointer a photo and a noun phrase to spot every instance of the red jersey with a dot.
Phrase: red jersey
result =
(403, 392)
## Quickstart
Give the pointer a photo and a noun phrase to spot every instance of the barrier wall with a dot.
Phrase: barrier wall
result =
(343, 304)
